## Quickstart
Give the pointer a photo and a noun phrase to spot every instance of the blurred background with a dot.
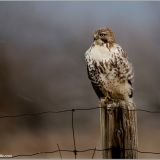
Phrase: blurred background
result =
(42, 67)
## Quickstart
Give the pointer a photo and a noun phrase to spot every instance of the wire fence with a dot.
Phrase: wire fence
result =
(75, 151)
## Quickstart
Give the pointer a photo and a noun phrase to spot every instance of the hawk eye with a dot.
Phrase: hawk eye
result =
(102, 34)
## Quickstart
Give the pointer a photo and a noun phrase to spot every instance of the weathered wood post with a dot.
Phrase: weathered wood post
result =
(118, 130)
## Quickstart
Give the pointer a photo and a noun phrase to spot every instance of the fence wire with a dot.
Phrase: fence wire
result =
(67, 110)
(80, 151)
(75, 151)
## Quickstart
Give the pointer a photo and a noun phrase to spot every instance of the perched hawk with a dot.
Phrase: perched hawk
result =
(108, 67)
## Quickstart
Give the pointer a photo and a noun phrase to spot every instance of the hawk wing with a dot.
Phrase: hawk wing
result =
(95, 85)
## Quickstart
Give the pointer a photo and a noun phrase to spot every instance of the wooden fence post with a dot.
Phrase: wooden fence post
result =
(118, 123)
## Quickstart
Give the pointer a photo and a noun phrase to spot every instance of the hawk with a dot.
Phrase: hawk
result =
(109, 70)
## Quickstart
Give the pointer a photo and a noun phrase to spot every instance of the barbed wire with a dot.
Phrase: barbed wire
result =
(80, 151)
(75, 151)
(94, 151)
(69, 110)
(73, 133)
(59, 151)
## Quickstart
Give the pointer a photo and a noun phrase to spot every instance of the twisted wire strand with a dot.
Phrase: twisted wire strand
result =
(80, 151)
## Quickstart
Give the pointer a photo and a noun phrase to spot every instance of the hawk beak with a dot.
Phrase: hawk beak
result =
(95, 38)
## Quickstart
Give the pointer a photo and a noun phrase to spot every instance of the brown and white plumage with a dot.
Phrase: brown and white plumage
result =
(108, 67)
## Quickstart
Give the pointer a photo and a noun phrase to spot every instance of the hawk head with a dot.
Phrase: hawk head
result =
(104, 35)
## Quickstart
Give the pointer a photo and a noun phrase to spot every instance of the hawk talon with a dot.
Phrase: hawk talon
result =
(107, 99)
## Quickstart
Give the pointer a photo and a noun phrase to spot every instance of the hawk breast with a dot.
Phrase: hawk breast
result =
(108, 70)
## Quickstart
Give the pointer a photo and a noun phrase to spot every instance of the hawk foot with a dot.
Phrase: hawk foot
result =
(108, 98)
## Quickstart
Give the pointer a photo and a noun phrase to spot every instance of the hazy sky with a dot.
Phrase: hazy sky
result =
(45, 44)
